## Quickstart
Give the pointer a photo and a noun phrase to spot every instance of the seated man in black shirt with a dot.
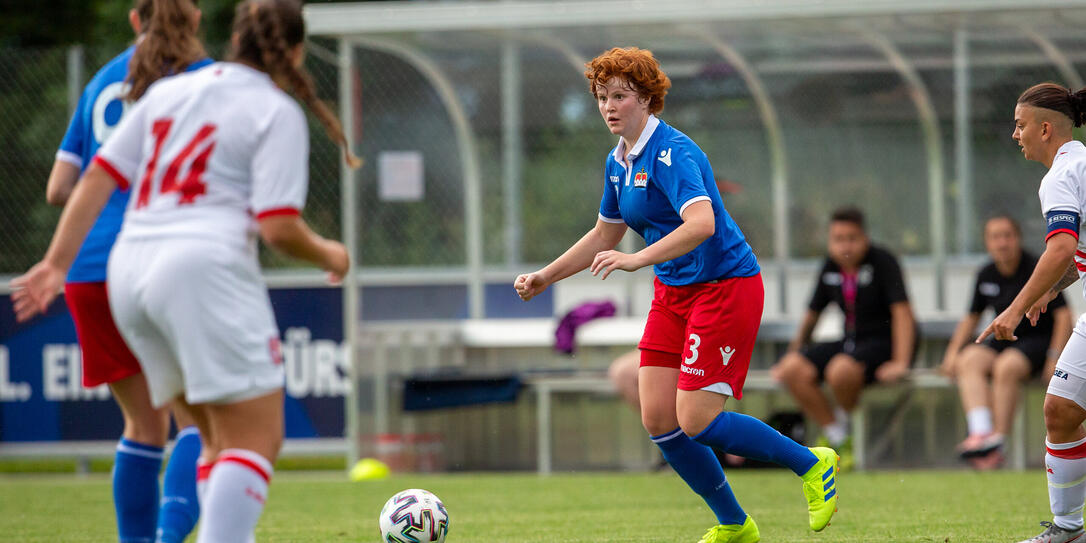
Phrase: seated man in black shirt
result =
(1006, 363)
(879, 337)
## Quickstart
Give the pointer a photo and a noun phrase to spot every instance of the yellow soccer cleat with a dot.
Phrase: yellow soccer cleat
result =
(820, 488)
(846, 460)
(733, 533)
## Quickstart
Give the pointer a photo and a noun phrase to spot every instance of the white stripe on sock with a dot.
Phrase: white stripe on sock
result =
(121, 447)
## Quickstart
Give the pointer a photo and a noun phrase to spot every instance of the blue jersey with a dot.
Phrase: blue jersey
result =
(669, 172)
(98, 113)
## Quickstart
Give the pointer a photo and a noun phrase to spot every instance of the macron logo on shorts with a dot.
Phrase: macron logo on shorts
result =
(726, 354)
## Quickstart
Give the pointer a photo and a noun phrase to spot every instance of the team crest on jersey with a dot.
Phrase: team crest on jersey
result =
(641, 180)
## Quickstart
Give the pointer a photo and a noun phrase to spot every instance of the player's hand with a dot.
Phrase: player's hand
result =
(338, 262)
(1040, 306)
(609, 261)
(1002, 327)
(891, 371)
(529, 285)
(33, 291)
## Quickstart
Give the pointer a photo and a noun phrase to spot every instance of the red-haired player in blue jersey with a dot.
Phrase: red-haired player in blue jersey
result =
(704, 317)
(163, 46)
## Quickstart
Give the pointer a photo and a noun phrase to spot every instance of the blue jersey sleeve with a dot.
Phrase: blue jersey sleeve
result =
(609, 211)
(74, 142)
(681, 180)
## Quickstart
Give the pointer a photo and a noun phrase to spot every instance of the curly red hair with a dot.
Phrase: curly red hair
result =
(638, 67)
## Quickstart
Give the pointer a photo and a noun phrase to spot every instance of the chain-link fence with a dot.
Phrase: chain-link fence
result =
(869, 111)
(849, 100)
(38, 91)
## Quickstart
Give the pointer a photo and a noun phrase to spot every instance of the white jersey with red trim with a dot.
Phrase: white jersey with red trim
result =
(208, 152)
(1063, 188)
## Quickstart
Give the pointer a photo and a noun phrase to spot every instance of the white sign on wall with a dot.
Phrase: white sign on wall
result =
(399, 176)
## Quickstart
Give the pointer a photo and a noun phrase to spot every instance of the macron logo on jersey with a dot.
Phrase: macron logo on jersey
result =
(665, 157)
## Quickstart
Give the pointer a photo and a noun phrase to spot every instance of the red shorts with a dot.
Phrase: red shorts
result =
(706, 329)
(106, 357)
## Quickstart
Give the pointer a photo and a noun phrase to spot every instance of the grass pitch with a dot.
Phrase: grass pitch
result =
(906, 506)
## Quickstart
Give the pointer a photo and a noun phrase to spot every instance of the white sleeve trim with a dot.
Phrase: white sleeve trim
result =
(70, 158)
(690, 201)
(610, 220)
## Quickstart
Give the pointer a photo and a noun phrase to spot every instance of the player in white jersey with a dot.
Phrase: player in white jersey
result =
(213, 158)
(1043, 119)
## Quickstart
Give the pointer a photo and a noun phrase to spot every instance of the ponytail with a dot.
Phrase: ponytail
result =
(266, 32)
(1057, 98)
(1078, 107)
(167, 43)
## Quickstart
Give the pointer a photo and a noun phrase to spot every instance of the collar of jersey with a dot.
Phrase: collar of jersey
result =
(1067, 147)
(642, 140)
(246, 69)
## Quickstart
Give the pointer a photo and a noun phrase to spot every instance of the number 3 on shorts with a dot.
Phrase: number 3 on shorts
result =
(695, 342)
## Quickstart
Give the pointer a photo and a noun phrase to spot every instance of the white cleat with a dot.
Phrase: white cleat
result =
(1055, 534)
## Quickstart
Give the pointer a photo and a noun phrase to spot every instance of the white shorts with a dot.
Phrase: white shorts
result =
(197, 315)
(1069, 380)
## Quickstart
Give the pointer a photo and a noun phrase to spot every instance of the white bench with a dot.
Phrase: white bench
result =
(773, 336)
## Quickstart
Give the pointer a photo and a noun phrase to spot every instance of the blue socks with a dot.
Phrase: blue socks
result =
(180, 506)
(699, 467)
(135, 490)
(747, 436)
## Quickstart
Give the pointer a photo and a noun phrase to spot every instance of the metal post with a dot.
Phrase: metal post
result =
(544, 464)
(512, 151)
(778, 159)
(1058, 58)
(465, 143)
(352, 294)
(963, 140)
(75, 77)
(933, 145)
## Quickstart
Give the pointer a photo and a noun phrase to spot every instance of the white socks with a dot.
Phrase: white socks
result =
(837, 432)
(979, 420)
(1066, 463)
(235, 497)
(203, 473)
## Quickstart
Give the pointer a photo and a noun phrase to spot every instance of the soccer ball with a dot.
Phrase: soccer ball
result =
(414, 516)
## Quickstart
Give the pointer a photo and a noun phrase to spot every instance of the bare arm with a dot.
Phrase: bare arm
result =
(1069, 277)
(1051, 267)
(1041, 305)
(698, 225)
(292, 236)
(962, 333)
(804, 330)
(36, 289)
(61, 183)
(1061, 331)
(602, 237)
(902, 339)
(902, 332)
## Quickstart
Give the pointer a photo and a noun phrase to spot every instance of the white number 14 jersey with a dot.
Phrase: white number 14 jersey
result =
(207, 153)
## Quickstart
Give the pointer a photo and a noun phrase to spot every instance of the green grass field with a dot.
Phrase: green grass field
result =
(906, 506)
